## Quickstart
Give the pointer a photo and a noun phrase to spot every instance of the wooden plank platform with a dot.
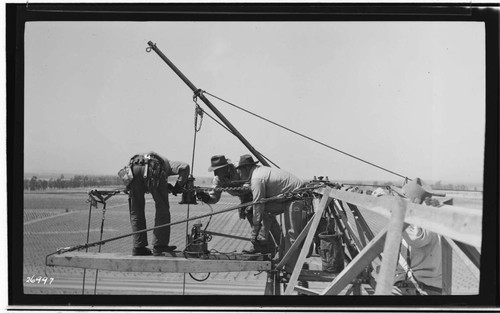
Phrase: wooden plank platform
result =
(159, 264)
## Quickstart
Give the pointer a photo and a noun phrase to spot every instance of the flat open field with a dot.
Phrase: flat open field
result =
(58, 219)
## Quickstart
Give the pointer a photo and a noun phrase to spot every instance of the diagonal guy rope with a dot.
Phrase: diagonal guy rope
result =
(307, 137)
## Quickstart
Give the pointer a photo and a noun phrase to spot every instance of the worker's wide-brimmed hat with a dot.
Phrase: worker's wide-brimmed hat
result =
(417, 189)
(246, 159)
(218, 161)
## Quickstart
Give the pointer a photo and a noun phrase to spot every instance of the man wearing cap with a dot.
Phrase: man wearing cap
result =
(265, 182)
(421, 249)
(148, 173)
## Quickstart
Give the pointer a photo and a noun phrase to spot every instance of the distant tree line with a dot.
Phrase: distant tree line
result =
(77, 181)
(36, 183)
(459, 187)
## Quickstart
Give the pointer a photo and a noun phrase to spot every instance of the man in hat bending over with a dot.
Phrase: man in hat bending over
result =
(225, 175)
(265, 182)
(421, 249)
(148, 173)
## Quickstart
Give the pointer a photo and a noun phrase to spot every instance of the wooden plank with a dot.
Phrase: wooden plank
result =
(227, 256)
(447, 266)
(347, 226)
(390, 258)
(306, 291)
(461, 224)
(295, 244)
(350, 239)
(361, 220)
(357, 265)
(163, 264)
(361, 233)
(307, 242)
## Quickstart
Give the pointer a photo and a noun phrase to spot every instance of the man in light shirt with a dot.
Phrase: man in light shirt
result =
(421, 249)
(266, 182)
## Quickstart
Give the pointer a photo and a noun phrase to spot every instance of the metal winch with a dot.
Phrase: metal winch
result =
(197, 242)
(189, 195)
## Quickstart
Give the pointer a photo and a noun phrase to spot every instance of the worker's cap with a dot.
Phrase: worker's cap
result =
(418, 189)
(218, 161)
(378, 192)
(246, 159)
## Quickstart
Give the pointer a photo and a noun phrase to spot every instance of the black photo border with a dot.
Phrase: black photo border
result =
(19, 14)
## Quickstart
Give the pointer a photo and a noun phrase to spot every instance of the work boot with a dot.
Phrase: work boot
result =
(259, 248)
(141, 251)
(159, 250)
(252, 250)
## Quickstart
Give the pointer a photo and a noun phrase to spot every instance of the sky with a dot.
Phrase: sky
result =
(406, 96)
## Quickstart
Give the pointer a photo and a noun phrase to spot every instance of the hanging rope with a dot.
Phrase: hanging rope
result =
(215, 120)
(307, 137)
(200, 111)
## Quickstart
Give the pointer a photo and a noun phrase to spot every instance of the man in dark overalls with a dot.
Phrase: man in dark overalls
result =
(148, 173)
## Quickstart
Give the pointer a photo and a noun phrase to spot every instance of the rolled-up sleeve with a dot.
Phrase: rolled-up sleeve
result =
(215, 194)
(258, 192)
(179, 168)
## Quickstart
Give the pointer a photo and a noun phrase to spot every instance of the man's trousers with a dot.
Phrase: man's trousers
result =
(138, 188)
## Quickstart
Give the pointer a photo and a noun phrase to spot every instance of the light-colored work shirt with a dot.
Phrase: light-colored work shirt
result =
(177, 168)
(425, 256)
(266, 182)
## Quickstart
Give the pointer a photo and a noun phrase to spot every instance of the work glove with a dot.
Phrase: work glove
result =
(203, 196)
(175, 189)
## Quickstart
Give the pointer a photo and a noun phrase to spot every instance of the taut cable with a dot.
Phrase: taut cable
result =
(307, 137)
